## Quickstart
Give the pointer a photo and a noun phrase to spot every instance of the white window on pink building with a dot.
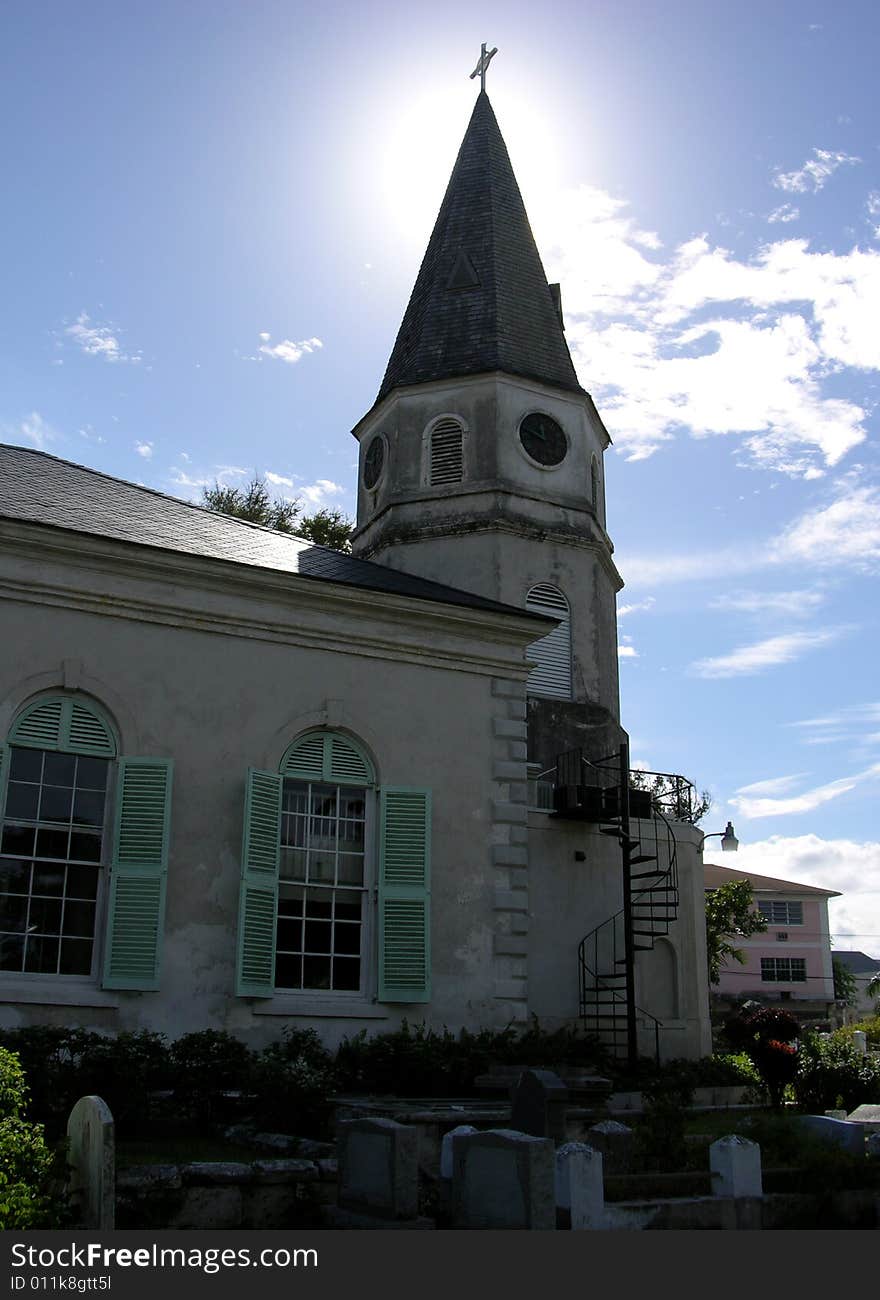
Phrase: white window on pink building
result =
(784, 970)
(782, 913)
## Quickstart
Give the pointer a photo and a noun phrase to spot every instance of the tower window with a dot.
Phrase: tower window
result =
(551, 676)
(445, 453)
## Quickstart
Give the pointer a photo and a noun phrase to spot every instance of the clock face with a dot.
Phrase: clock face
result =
(543, 438)
(373, 461)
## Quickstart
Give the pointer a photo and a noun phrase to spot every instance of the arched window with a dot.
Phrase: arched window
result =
(333, 870)
(551, 676)
(594, 485)
(57, 846)
(445, 452)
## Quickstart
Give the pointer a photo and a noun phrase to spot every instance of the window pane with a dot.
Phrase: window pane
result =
(11, 951)
(76, 956)
(317, 936)
(58, 769)
(15, 877)
(13, 912)
(316, 972)
(26, 764)
(22, 800)
(52, 844)
(56, 803)
(289, 934)
(41, 955)
(91, 773)
(48, 880)
(45, 916)
(352, 804)
(290, 901)
(346, 973)
(322, 868)
(295, 798)
(347, 938)
(351, 868)
(82, 882)
(18, 841)
(85, 846)
(288, 971)
(319, 905)
(292, 864)
(348, 906)
(88, 808)
(79, 919)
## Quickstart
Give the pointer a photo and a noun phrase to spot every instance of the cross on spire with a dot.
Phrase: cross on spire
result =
(482, 64)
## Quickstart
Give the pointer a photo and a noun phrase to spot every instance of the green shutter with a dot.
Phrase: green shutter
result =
(3, 752)
(66, 724)
(258, 898)
(404, 896)
(327, 756)
(136, 910)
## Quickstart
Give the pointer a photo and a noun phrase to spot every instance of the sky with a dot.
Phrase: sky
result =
(213, 217)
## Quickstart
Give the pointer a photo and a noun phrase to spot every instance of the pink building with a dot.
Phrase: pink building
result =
(792, 959)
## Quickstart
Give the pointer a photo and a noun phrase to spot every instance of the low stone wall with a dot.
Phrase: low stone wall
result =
(264, 1194)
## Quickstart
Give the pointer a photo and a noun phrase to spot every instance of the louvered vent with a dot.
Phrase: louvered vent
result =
(142, 813)
(40, 726)
(405, 947)
(135, 928)
(447, 465)
(323, 756)
(61, 723)
(551, 678)
(258, 948)
(406, 839)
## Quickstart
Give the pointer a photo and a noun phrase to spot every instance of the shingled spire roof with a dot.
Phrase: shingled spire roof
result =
(481, 301)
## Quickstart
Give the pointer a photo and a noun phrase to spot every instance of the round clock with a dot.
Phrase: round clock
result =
(543, 439)
(374, 461)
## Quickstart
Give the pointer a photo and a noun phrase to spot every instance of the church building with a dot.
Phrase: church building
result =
(250, 782)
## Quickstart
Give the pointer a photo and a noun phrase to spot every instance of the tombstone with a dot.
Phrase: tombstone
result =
(860, 1041)
(539, 1104)
(835, 1114)
(503, 1179)
(735, 1163)
(91, 1155)
(841, 1133)
(580, 1190)
(616, 1142)
(446, 1147)
(869, 1116)
(378, 1167)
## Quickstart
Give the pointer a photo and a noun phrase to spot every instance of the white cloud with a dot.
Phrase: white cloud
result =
(278, 480)
(784, 214)
(319, 494)
(637, 607)
(850, 866)
(815, 173)
(144, 449)
(748, 660)
(627, 652)
(773, 785)
(33, 429)
(98, 340)
(287, 350)
(791, 603)
(756, 806)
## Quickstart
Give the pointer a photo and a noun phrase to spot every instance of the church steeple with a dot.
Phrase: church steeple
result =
(481, 302)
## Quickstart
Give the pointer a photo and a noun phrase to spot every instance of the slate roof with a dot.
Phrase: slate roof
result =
(715, 876)
(859, 963)
(481, 300)
(43, 489)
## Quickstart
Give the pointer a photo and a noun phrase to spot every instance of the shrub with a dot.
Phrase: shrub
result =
(205, 1067)
(832, 1074)
(660, 1135)
(127, 1071)
(767, 1035)
(53, 1060)
(294, 1082)
(29, 1195)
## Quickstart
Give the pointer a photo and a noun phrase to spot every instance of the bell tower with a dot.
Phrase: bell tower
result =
(481, 461)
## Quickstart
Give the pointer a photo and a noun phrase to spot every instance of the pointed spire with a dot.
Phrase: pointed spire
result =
(481, 301)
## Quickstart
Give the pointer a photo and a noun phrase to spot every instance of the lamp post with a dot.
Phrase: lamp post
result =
(729, 842)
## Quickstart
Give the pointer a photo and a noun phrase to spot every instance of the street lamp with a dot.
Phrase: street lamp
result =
(729, 842)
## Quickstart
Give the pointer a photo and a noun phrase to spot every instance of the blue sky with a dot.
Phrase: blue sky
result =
(214, 214)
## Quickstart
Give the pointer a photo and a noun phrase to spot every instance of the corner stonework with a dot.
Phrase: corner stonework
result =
(509, 847)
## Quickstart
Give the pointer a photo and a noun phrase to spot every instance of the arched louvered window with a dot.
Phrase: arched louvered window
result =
(594, 484)
(445, 453)
(551, 677)
(59, 775)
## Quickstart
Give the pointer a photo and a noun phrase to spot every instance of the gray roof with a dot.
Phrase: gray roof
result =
(714, 876)
(481, 300)
(859, 963)
(42, 489)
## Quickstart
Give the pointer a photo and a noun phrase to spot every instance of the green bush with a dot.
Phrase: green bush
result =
(293, 1083)
(127, 1072)
(832, 1074)
(660, 1133)
(206, 1067)
(30, 1196)
(871, 1029)
(54, 1062)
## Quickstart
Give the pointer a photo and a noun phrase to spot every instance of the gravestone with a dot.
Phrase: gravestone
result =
(446, 1147)
(735, 1164)
(91, 1156)
(843, 1133)
(580, 1190)
(860, 1041)
(539, 1104)
(616, 1142)
(869, 1116)
(503, 1179)
(378, 1167)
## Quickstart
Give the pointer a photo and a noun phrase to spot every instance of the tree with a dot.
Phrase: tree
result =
(674, 796)
(256, 504)
(729, 915)
(845, 988)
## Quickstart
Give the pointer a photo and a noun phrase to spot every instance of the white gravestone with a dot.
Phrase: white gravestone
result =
(92, 1160)
(735, 1163)
(579, 1185)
